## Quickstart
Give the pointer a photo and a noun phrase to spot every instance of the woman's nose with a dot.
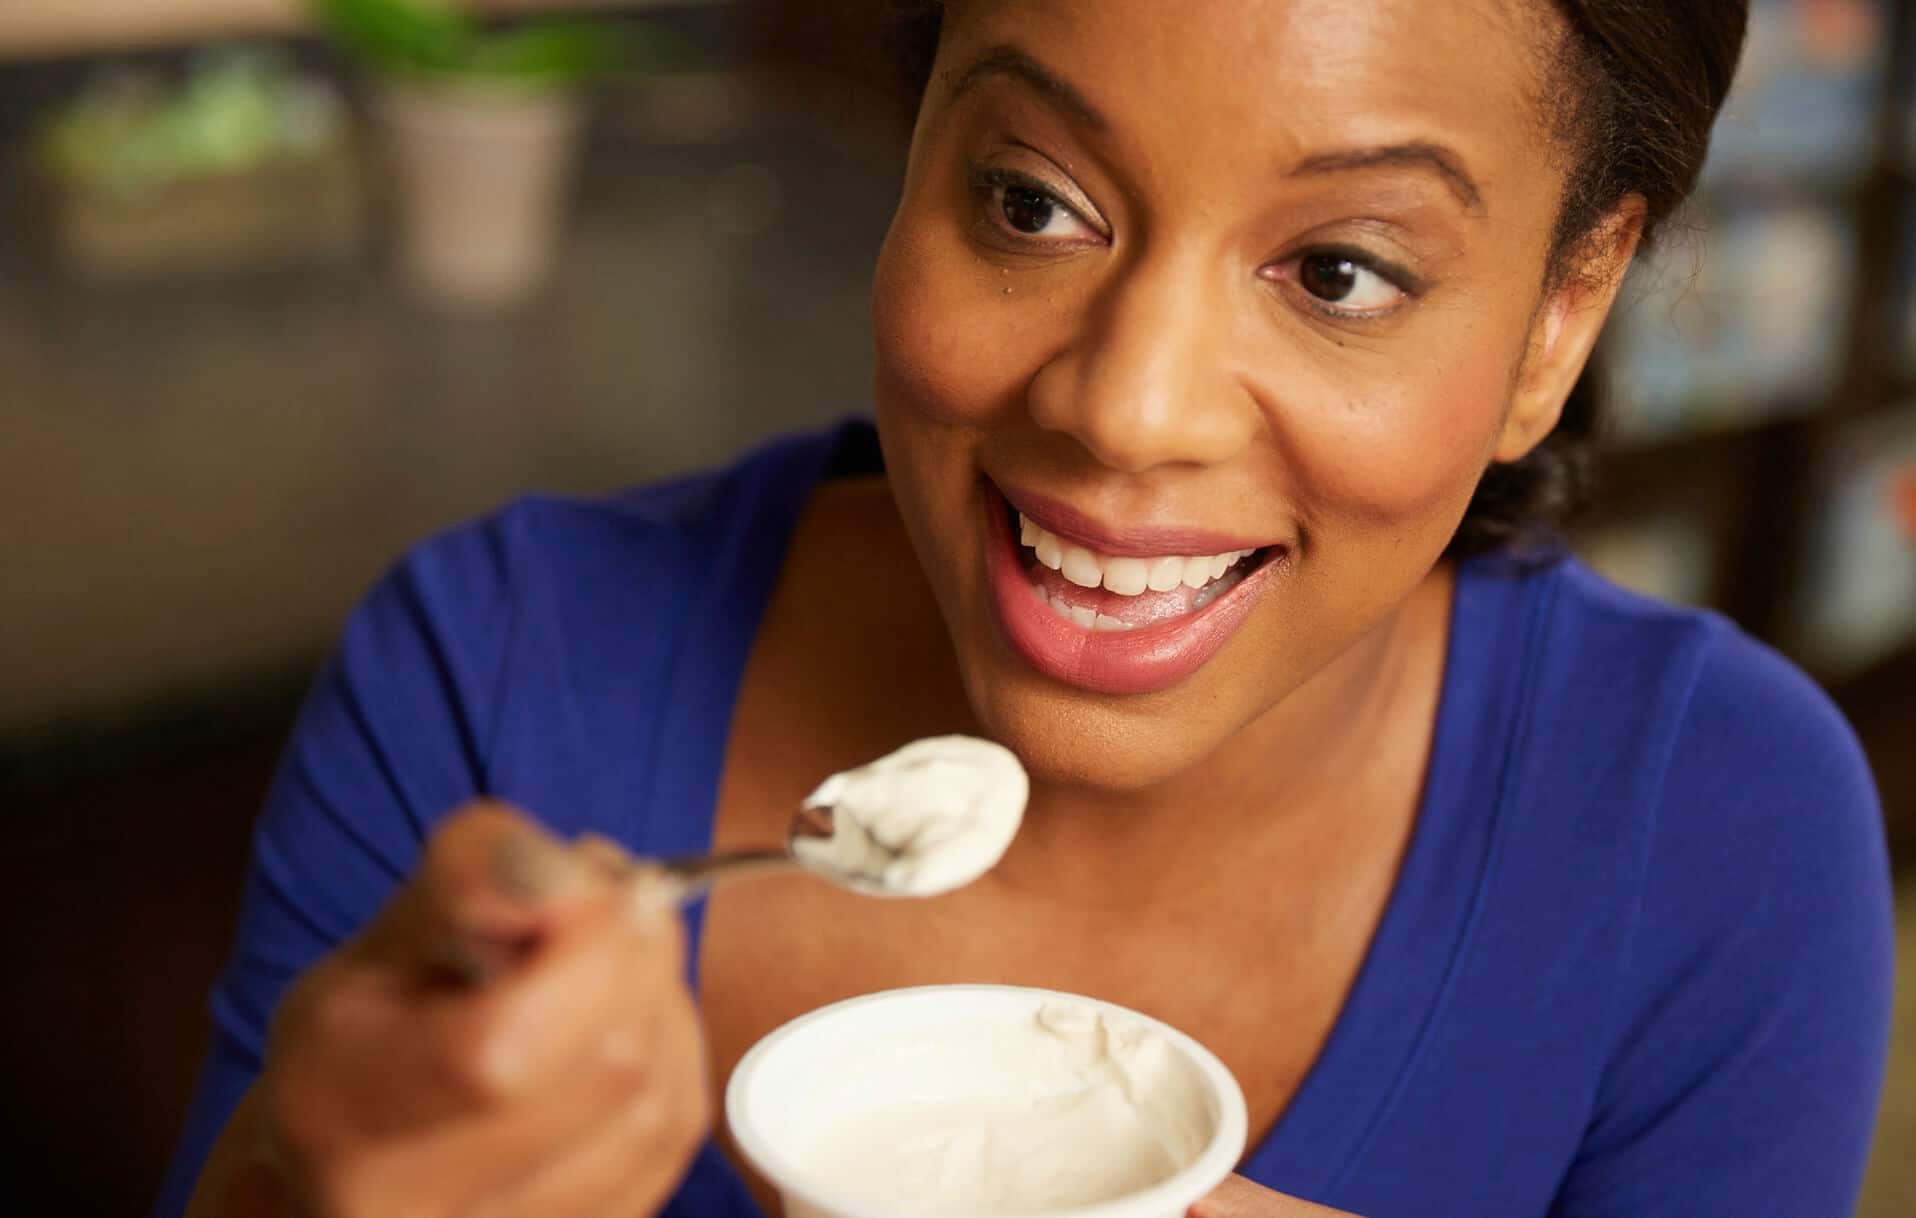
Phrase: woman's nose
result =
(1147, 381)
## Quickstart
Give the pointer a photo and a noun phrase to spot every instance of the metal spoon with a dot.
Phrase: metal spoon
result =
(469, 958)
(692, 875)
(926, 819)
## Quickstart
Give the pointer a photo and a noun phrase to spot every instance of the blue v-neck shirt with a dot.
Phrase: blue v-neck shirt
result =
(1636, 965)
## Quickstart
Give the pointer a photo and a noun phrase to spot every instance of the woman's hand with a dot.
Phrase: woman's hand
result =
(1239, 1198)
(512, 1036)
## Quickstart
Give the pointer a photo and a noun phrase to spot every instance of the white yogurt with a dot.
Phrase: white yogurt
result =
(1090, 1109)
(931, 817)
(980, 1101)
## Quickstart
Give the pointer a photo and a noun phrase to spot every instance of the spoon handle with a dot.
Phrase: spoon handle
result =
(693, 874)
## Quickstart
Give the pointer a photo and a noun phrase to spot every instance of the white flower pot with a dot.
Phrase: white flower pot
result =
(481, 184)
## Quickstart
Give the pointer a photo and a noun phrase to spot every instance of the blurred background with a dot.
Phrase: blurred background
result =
(279, 296)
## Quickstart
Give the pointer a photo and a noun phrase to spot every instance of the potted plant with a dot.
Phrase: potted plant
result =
(481, 130)
(240, 161)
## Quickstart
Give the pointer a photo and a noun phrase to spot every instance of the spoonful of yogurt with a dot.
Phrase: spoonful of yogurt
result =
(927, 819)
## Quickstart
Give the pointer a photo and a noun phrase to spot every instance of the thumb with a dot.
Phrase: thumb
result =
(493, 883)
(1239, 1198)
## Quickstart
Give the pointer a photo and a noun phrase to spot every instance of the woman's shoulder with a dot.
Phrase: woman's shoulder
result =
(1703, 820)
(685, 518)
(1713, 768)
(548, 590)
(1687, 871)
(1615, 659)
(529, 651)
(1686, 816)
(551, 555)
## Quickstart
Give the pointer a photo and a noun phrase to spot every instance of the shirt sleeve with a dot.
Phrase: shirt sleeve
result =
(1753, 1013)
(392, 737)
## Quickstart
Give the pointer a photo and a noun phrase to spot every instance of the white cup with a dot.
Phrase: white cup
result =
(774, 1092)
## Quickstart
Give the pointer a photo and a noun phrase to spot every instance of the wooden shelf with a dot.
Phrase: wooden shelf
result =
(1887, 682)
(1880, 703)
(1638, 468)
(47, 28)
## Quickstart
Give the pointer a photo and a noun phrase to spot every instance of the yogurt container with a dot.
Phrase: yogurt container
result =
(982, 1101)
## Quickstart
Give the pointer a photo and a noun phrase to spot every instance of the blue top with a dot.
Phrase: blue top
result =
(1637, 963)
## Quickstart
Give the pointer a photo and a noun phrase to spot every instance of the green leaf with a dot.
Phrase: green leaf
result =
(438, 38)
(548, 53)
(400, 35)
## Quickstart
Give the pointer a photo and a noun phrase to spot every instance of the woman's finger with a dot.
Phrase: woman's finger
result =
(466, 1153)
(626, 1156)
(592, 976)
(635, 1167)
(627, 1164)
(412, 1055)
(492, 881)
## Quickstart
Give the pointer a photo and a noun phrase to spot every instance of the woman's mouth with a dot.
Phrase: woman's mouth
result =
(1107, 592)
(1124, 623)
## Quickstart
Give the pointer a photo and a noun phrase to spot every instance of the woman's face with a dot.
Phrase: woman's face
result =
(1195, 329)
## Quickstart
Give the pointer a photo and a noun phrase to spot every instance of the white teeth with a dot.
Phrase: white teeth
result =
(1125, 576)
(1050, 551)
(1081, 567)
(1165, 574)
(1087, 619)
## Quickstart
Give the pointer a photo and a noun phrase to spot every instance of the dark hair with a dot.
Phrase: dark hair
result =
(1634, 89)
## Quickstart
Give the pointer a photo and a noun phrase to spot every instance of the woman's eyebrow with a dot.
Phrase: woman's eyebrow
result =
(1415, 154)
(1008, 60)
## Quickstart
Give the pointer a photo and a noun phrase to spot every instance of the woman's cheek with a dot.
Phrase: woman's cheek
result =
(1404, 456)
(950, 331)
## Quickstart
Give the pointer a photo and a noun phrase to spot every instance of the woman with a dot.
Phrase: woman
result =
(1228, 361)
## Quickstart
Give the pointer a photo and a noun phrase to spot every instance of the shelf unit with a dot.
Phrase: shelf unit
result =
(1754, 488)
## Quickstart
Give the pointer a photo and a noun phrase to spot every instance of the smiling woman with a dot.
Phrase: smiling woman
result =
(1229, 379)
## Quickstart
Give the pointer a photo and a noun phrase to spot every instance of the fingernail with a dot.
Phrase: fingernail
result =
(612, 859)
(652, 897)
(530, 868)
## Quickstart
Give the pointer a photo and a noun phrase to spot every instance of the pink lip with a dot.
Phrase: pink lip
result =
(1128, 541)
(1141, 661)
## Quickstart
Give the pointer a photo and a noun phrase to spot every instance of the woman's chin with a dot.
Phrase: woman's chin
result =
(1072, 739)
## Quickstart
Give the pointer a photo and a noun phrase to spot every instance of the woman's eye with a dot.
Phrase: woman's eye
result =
(1032, 213)
(1347, 283)
(1029, 211)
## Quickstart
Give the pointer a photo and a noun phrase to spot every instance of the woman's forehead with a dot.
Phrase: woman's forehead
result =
(1257, 26)
(1282, 79)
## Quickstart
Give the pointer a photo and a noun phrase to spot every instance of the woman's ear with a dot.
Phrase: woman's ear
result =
(1566, 327)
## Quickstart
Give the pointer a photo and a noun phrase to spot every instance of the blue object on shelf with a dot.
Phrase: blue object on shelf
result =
(1741, 324)
(1856, 598)
(1803, 106)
